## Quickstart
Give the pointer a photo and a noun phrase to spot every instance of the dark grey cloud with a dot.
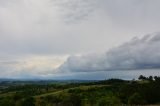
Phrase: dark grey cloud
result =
(139, 53)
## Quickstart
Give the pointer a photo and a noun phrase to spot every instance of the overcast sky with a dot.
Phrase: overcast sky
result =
(48, 38)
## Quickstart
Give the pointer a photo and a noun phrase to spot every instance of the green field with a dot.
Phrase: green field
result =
(112, 92)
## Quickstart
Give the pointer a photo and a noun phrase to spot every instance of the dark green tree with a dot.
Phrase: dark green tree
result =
(141, 77)
(150, 78)
(29, 101)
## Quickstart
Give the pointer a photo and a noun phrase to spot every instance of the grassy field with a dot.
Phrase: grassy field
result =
(66, 90)
(113, 92)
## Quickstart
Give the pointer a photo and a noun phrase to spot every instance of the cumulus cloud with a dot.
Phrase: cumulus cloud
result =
(139, 53)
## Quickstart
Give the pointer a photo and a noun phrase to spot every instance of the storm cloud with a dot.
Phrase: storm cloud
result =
(73, 26)
(36, 36)
(139, 53)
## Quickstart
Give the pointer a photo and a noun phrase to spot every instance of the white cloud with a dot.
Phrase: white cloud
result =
(30, 66)
(39, 26)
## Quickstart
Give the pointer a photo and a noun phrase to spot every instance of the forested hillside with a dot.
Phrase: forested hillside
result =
(112, 92)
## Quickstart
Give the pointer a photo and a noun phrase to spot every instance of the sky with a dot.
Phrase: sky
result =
(76, 38)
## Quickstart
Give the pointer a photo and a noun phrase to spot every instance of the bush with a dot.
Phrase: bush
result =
(109, 101)
(136, 99)
(29, 101)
